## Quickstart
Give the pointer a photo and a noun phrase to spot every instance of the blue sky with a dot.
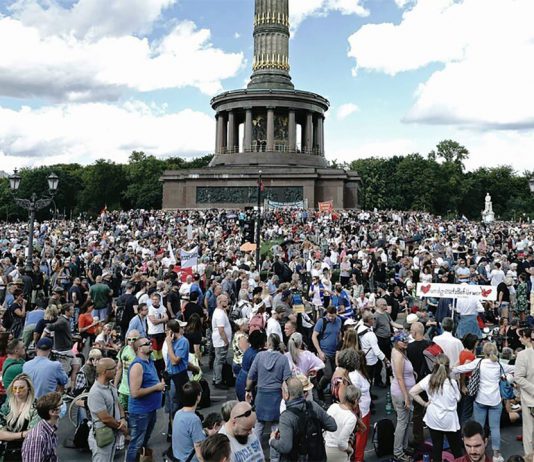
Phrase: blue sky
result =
(89, 79)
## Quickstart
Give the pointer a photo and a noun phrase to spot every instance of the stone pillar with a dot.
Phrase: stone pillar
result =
(320, 134)
(247, 143)
(292, 135)
(309, 133)
(224, 136)
(270, 129)
(231, 131)
(220, 134)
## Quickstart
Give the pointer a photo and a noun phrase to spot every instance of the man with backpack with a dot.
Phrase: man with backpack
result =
(300, 432)
(369, 345)
(325, 338)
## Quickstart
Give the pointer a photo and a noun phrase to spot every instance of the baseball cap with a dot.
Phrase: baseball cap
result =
(44, 344)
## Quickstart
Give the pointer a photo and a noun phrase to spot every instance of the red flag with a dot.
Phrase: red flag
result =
(260, 184)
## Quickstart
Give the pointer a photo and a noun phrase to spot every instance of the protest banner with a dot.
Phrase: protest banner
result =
(488, 293)
(189, 258)
(327, 206)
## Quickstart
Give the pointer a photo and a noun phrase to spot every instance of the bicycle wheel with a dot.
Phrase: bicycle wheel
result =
(73, 409)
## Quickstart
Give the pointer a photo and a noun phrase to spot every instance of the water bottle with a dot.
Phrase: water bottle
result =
(389, 404)
(426, 457)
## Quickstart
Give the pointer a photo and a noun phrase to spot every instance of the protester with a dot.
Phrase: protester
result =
(244, 443)
(107, 415)
(40, 443)
(47, 376)
(403, 381)
(339, 443)
(488, 402)
(216, 448)
(221, 336)
(441, 415)
(293, 421)
(17, 416)
(145, 398)
(475, 443)
(524, 377)
(187, 433)
(16, 352)
(267, 373)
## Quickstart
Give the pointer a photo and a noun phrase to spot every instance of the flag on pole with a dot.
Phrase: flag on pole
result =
(172, 257)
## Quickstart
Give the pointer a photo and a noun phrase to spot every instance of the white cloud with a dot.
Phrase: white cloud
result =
(90, 18)
(485, 53)
(345, 150)
(86, 132)
(88, 64)
(301, 9)
(345, 110)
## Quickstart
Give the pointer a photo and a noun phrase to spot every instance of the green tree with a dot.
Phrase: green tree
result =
(450, 151)
(144, 189)
(104, 185)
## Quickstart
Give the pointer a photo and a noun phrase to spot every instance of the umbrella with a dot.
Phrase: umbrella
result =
(248, 247)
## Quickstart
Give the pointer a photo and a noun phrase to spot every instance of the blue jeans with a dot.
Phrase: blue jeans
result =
(141, 427)
(101, 313)
(493, 413)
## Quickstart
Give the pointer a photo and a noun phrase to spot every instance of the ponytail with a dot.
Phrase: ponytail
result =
(293, 345)
(440, 373)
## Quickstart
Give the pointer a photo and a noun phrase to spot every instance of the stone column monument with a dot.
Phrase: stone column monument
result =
(269, 126)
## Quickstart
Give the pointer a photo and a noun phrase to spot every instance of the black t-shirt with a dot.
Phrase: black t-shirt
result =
(513, 339)
(174, 299)
(415, 354)
(192, 308)
(75, 289)
(194, 338)
(129, 301)
(502, 287)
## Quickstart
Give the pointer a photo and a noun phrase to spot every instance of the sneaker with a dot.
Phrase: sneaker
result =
(220, 386)
(515, 407)
(406, 458)
(498, 459)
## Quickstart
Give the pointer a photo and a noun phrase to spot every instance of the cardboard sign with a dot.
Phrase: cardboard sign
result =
(457, 291)
(327, 206)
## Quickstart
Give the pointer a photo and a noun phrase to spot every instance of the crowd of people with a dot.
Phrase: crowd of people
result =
(107, 315)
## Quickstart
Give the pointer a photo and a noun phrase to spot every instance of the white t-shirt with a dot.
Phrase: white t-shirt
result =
(250, 452)
(158, 313)
(442, 414)
(273, 327)
(346, 421)
(220, 319)
(363, 384)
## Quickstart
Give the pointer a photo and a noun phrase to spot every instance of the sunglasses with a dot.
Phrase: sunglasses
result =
(15, 389)
(133, 339)
(248, 413)
(146, 344)
(58, 409)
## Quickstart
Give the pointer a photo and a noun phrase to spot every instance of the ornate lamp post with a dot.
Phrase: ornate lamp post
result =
(258, 224)
(32, 205)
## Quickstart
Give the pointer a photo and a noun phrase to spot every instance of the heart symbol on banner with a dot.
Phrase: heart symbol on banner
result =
(426, 288)
(486, 292)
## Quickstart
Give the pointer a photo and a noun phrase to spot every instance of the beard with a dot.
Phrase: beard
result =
(241, 439)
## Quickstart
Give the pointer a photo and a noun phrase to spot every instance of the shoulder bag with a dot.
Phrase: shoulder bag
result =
(474, 381)
(505, 387)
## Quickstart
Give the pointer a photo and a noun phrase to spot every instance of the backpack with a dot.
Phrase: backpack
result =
(308, 441)
(430, 353)
(256, 323)
(383, 436)
(8, 318)
(81, 435)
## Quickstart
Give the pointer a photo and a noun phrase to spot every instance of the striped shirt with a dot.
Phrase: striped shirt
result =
(40, 443)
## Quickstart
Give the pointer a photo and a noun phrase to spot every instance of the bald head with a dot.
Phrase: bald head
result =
(240, 408)
(105, 365)
(417, 329)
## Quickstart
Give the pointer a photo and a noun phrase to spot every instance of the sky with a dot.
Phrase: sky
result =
(96, 79)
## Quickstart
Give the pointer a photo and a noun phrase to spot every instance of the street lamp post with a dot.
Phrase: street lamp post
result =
(32, 205)
(531, 185)
(258, 224)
